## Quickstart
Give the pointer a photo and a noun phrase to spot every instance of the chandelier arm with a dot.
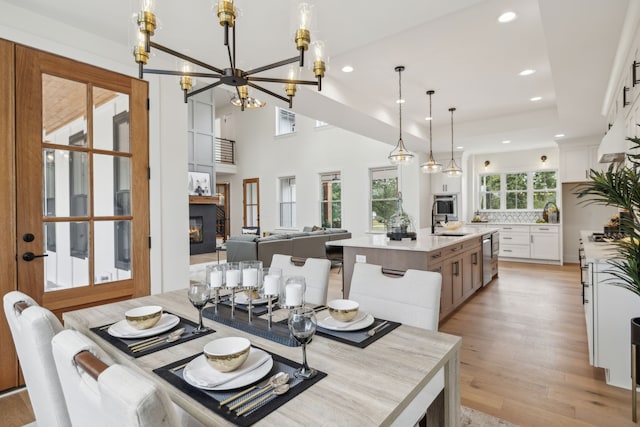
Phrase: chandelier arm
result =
(271, 66)
(185, 57)
(267, 91)
(212, 85)
(182, 73)
(232, 56)
(275, 80)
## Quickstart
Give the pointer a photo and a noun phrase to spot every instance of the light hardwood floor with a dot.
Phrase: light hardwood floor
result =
(524, 353)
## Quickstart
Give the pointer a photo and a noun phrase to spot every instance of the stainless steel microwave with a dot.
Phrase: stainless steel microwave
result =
(446, 205)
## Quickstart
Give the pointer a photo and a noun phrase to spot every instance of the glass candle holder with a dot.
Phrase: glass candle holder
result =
(251, 281)
(271, 278)
(233, 279)
(216, 278)
(292, 292)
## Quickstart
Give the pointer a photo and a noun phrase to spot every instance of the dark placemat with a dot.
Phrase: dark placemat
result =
(123, 343)
(361, 337)
(258, 310)
(260, 327)
(172, 373)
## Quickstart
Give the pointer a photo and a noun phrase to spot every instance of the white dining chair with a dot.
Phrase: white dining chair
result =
(314, 270)
(32, 328)
(412, 298)
(101, 393)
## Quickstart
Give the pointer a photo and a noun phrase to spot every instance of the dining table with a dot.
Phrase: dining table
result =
(367, 386)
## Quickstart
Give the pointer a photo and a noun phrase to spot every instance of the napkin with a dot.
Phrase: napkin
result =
(201, 374)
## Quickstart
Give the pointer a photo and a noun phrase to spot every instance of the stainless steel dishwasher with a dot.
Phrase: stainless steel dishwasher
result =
(486, 259)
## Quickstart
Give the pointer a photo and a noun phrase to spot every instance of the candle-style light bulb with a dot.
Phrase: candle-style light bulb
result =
(303, 34)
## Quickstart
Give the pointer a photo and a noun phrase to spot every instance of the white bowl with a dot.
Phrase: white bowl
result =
(452, 225)
(144, 317)
(343, 310)
(227, 354)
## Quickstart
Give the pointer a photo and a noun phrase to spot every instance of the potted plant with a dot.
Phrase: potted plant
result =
(619, 186)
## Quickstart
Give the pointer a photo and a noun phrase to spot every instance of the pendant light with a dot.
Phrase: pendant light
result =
(453, 169)
(400, 155)
(431, 166)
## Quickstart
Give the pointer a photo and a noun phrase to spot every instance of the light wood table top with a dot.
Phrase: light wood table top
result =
(369, 386)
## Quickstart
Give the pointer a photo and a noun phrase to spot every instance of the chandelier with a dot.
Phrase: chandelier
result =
(232, 75)
(430, 166)
(453, 169)
(400, 155)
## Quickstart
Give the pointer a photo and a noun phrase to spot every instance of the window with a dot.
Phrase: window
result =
(544, 188)
(516, 190)
(490, 192)
(288, 202)
(285, 121)
(320, 123)
(330, 200)
(384, 196)
(522, 190)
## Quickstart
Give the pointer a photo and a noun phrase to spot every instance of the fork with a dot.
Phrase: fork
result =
(373, 331)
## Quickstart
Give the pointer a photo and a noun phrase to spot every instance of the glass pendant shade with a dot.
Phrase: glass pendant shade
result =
(452, 169)
(400, 155)
(430, 166)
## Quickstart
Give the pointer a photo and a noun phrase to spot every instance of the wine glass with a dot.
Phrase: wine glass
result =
(302, 324)
(199, 294)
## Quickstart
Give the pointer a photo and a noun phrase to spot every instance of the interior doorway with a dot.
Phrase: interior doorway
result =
(251, 203)
(223, 221)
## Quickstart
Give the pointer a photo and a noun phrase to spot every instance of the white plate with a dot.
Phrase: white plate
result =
(361, 321)
(122, 329)
(242, 298)
(200, 374)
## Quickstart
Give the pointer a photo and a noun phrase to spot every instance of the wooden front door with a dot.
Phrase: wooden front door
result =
(81, 183)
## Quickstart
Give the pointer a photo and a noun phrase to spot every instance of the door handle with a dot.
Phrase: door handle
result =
(30, 256)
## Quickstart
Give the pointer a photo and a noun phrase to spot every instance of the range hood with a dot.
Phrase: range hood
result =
(614, 144)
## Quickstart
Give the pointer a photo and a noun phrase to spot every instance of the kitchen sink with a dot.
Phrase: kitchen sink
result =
(450, 234)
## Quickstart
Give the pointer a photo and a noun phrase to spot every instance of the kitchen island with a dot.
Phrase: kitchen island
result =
(457, 255)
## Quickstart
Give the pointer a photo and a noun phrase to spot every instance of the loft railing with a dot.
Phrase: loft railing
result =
(225, 151)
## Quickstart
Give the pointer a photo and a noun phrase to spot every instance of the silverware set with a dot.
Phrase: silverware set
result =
(148, 343)
(273, 386)
(371, 332)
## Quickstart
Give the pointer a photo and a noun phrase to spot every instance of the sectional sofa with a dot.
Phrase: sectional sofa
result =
(309, 244)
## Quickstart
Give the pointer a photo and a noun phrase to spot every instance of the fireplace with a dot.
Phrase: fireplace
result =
(202, 228)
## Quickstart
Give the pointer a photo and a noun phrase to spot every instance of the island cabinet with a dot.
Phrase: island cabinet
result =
(457, 259)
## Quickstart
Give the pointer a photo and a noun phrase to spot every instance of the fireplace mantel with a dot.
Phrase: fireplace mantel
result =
(204, 200)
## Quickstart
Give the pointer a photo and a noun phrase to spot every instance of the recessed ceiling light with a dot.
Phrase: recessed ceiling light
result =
(559, 135)
(459, 147)
(428, 118)
(506, 141)
(526, 72)
(347, 69)
(535, 98)
(399, 101)
(507, 17)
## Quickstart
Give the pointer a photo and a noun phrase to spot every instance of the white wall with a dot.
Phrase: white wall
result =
(167, 133)
(306, 154)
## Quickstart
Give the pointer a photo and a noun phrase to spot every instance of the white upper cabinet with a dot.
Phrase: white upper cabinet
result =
(577, 160)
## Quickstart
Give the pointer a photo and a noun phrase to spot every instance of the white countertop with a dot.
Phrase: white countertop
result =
(557, 224)
(425, 241)
(596, 251)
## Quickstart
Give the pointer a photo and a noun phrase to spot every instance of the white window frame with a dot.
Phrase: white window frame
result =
(285, 121)
(287, 191)
(530, 190)
(372, 171)
(330, 177)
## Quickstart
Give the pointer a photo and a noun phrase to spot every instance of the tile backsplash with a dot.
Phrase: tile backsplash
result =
(512, 216)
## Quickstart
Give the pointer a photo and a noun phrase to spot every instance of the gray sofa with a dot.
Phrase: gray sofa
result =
(298, 244)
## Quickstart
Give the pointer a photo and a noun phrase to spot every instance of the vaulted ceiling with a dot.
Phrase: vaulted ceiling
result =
(455, 47)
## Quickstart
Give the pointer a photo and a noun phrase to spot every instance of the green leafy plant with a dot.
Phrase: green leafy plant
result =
(619, 186)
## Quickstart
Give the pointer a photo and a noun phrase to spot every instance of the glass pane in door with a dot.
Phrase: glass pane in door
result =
(66, 265)
(111, 185)
(110, 120)
(112, 255)
(64, 111)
